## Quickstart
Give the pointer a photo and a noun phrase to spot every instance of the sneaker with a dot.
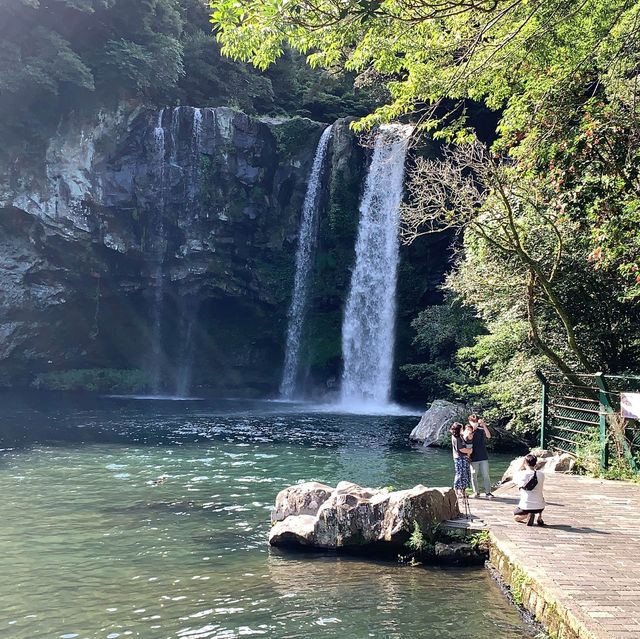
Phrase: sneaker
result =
(475, 495)
(489, 495)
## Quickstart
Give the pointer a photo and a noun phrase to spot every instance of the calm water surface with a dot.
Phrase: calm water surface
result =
(90, 546)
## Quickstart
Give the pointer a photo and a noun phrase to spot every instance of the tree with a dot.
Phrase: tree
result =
(430, 49)
(507, 217)
(440, 332)
(536, 61)
(64, 55)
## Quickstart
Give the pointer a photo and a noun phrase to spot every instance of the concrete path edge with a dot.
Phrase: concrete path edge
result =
(529, 593)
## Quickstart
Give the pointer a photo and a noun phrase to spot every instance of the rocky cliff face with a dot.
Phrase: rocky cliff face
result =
(155, 241)
(154, 250)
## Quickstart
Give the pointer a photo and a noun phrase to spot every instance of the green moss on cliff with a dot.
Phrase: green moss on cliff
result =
(323, 352)
(102, 380)
(276, 276)
(288, 135)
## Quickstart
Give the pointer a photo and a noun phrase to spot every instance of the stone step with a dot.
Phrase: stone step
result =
(472, 523)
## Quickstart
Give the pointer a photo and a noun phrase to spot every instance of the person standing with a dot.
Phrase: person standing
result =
(479, 456)
(460, 459)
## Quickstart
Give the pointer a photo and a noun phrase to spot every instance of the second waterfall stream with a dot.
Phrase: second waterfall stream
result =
(304, 255)
(368, 330)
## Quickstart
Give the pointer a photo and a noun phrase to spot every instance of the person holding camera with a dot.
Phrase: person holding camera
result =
(530, 483)
(479, 456)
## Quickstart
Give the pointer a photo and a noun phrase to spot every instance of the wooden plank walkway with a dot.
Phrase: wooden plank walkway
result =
(585, 560)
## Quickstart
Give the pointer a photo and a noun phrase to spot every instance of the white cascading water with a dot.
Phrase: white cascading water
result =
(159, 151)
(194, 171)
(304, 254)
(368, 328)
(175, 130)
(158, 138)
(189, 310)
(166, 151)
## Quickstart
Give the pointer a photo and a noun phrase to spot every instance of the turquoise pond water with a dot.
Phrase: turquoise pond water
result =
(91, 547)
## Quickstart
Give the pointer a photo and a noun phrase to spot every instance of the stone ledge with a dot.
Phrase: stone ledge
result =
(534, 597)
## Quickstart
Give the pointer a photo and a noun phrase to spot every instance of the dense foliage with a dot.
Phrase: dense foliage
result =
(550, 255)
(64, 55)
(440, 332)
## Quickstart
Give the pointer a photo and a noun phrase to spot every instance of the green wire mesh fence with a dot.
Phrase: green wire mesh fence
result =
(575, 413)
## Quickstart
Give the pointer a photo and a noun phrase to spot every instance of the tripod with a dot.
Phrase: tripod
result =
(463, 500)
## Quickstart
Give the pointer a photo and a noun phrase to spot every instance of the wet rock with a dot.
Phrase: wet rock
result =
(563, 463)
(355, 517)
(436, 421)
(459, 553)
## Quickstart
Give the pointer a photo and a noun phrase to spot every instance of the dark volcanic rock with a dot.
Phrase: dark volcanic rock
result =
(460, 553)
(436, 421)
(176, 226)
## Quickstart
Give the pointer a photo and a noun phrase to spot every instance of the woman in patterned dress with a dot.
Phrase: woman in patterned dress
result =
(461, 452)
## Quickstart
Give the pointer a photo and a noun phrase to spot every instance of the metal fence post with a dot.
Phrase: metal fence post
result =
(543, 401)
(604, 408)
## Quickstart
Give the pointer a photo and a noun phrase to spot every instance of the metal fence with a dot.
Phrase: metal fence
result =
(575, 414)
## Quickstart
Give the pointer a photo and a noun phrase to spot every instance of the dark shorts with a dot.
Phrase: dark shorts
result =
(520, 511)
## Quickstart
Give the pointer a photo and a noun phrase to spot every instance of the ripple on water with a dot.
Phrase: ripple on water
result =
(96, 549)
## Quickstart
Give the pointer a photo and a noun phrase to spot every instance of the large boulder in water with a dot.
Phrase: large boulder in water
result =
(353, 517)
(436, 421)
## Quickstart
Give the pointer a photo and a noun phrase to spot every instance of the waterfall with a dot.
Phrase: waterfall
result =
(369, 319)
(193, 184)
(304, 254)
(168, 159)
(184, 359)
(175, 130)
(188, 309)
(157, 355)
(159, 150)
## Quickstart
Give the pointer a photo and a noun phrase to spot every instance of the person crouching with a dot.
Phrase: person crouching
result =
(530, 482)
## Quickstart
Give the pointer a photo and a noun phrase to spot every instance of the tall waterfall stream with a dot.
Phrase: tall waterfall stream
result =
(189, 164)
(157, 353)
(304, 255)
(369, 318)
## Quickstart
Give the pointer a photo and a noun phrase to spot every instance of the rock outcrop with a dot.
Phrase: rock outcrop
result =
(154, 234)
(434, 424)
(460, 553)
(300, 499)
(548, 462)
(351, 517)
